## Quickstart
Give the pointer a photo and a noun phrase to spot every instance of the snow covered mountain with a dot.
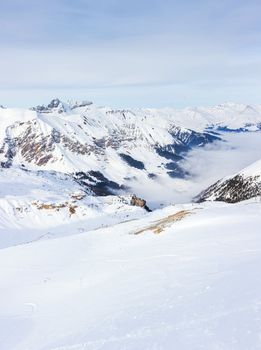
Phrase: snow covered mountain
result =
(97, 145)
(48, 153)
(241, 186)
(109, 150)
(82, 269)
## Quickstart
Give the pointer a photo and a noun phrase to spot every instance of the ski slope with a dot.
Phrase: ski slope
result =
(194, 286)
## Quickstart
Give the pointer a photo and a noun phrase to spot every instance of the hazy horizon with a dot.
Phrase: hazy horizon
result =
(130, 54)
(46, 101)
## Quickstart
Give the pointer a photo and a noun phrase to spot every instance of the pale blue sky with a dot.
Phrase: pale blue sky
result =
(130, 53)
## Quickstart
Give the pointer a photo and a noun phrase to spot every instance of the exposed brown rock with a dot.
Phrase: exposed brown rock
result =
(72, 209)
(50, 205)
(139, 202)
(78, 196)
(164, 223)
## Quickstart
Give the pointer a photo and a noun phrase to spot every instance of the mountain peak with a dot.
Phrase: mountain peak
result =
(54, 105)
(78, 104)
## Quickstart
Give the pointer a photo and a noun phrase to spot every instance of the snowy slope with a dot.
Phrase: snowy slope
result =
(110, 150)
(72, 139)
(252, 170)
(194, 286)
(121, 148)
(80, 270)
(69, 138)
(40, 205)
(241, 186)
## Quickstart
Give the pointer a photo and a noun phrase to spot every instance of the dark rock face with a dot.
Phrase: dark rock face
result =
(55, 104)
(132, 162)
(224, 129)
(139, 202)
(183, 142)
(98, 183)
(232, 190)
(168, 152)
(8, 149)
(176, 171)
(189, 138)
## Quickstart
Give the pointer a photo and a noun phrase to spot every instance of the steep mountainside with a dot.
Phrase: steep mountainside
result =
(116, 146)
(244, 185)
(97, 145)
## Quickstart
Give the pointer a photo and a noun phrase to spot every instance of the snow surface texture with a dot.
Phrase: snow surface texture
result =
(194, 286)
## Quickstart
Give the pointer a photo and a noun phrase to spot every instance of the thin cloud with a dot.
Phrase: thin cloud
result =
(201, 52)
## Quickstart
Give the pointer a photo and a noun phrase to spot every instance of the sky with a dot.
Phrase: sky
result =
(138, 53)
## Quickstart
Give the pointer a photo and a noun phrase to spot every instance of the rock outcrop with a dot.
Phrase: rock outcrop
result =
(139, 202)
(236, 188)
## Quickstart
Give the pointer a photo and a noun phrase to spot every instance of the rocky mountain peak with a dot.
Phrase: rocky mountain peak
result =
(55, 105)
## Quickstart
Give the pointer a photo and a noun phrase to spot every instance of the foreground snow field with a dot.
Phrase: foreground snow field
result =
(196, 285)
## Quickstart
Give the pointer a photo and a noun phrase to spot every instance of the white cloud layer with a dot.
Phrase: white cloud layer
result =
(206, 165)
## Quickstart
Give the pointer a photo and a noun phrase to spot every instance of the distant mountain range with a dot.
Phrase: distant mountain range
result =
(107, 149)
(61, 163)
